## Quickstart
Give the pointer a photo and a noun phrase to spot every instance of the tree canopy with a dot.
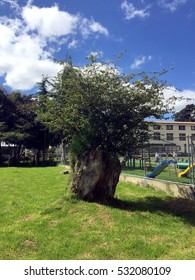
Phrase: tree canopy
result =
(97, 105)
(187, 114)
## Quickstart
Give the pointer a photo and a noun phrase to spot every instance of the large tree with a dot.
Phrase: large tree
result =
(101, 112)
(187, 114)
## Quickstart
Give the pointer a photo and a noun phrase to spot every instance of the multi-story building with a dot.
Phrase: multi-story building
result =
(171, 137)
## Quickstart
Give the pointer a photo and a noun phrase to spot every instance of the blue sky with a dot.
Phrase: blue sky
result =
(155, 34)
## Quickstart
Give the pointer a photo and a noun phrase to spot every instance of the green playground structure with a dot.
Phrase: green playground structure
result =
(182, 165)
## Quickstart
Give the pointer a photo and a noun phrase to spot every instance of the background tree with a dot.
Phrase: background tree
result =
(7, 118)
(52, 138)
(101, 113)
(19, 125)
(186, 115)
(3, 124)
(34, 134)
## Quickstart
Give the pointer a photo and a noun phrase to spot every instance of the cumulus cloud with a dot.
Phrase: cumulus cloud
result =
(185, 97)
(27, 74)
(23, 56)
(49, 22)
(139, 61)
(29, 41)
(171, 5)
(131, 12)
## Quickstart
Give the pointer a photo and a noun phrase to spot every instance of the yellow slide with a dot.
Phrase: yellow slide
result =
(186, 170)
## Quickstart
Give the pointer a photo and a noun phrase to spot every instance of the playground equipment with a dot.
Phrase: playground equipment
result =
(188, 166)
(165, 163)
(182, 165)
(186, 171)
(159, 168)
(179, 161)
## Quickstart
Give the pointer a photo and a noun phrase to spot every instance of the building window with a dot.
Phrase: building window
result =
(170, 136)
(182, 137)
(192, 127)
(156, 127)
(156, 136)
(169, 127)
(182, 127)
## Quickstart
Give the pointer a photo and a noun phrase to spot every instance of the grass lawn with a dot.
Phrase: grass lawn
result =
(40, 220)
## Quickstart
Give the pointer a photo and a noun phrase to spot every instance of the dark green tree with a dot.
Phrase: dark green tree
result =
(19, 125)
(35, 135)
(3, 124)
(7, 117)
(186, 115)
(101, 113)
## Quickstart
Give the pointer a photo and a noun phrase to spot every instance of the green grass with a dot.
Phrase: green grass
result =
(40, 220)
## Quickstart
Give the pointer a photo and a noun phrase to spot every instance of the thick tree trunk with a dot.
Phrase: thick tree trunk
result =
(95, 176)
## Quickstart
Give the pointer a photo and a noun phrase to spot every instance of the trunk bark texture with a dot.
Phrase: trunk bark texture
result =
(95, 176)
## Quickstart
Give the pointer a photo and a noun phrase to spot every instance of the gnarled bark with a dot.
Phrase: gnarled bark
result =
(95, 176)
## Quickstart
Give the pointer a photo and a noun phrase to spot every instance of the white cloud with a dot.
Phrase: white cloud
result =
(22, 56)
(88, 27)
(27, 74)
(24, 60)
(187, 97)
(98, 28)
(131, 12)
(13, 3)
(49, 22)
(29, 41)
(139, 61)
(171, 5)
(73, 44)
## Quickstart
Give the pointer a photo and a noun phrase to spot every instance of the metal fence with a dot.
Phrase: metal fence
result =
(178, 160)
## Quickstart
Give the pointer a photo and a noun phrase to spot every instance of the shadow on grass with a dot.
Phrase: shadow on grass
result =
(175, 206)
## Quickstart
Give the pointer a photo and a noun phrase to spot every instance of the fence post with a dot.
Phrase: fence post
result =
(144, 155)
(192, 155)
(190, 158)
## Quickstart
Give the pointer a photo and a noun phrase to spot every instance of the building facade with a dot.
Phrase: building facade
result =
(169, 137)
